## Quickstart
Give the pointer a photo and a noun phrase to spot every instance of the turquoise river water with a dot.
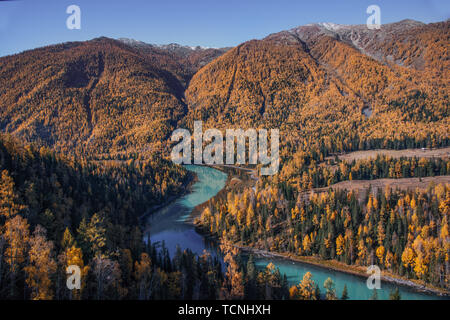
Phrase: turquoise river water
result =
(169, 225)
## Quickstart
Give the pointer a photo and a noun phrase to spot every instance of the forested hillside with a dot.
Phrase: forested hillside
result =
(332, 89)
(403, 232)
(329, 88)
(94, 121)
(327, 94)
(57, 211)
(101, 97)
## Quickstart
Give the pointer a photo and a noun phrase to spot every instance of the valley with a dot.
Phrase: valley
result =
(362, 116)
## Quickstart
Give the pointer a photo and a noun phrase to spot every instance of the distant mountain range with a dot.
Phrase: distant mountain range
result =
(108, 97)
(193, 57)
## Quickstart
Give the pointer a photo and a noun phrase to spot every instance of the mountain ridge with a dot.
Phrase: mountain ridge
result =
(113, 97)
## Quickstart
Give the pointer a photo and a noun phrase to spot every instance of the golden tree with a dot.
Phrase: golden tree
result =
(42, 266)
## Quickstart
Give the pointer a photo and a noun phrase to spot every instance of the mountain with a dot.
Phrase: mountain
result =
(96, 97)
(332, 87)
(406, 43)
(327, 87)
(191, 58)
(70, 198)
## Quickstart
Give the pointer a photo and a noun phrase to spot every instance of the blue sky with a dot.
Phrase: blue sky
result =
(27, 24)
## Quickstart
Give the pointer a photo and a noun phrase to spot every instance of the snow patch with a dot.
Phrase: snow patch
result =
(332, 26)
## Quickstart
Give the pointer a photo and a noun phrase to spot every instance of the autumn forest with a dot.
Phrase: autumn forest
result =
(364, 173)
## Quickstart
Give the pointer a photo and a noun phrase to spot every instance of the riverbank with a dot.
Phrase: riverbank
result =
(332, 265)
(360, 271)
(186, 188)
(237, 179)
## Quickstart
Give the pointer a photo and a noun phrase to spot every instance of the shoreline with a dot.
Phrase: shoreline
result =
(349, 269)
(354, 270)
(414, 285)
(186, 188)
(333, 265)
(197, 210)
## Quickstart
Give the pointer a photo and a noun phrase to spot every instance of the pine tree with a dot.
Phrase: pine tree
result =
(67, 241)
(344, 293)
(374, 295)
(17, 237)
(395, 294)
(9, 205)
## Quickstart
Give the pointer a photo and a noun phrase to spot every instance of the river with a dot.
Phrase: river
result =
(169, 225)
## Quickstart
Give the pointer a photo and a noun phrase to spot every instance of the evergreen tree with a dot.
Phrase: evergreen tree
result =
(344, 293)
(395, 294)
(374, 295)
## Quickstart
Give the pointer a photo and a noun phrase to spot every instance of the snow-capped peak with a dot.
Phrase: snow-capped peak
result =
(171, 46)
(331, 26)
